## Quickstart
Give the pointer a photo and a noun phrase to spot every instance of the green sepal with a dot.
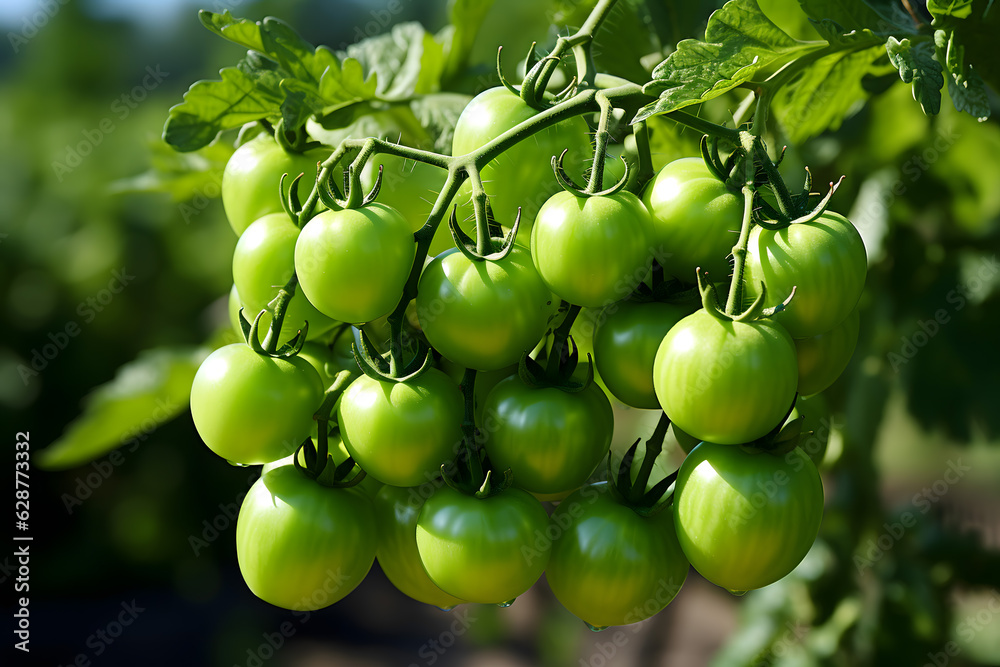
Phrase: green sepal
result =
(503, 79)
(467, 245)
(570, 186)
(251, 335)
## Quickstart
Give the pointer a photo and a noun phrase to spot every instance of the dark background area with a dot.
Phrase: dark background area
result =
(125, 529)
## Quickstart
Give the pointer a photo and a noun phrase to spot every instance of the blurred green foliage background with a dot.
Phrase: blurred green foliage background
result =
(84, 89)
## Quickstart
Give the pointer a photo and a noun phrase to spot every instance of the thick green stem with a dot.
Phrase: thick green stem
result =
(653, 448)
(735, 298)
(281, 302)
(479, 209)
(596, 182)
(559, 342)
(323, 415)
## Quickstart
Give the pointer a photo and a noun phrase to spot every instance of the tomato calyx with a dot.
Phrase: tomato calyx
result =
(538, 71)
(269, 347)
(331, 195)
(756, 311)
(634, 493)
(569, 185)
(377, 367)
(499, 246)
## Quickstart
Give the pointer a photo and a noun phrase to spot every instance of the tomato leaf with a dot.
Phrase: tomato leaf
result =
(965, 86)
(144, 394)
(822, 95)
(283, 77)
(917, 66)
(406, 61)
(739, 42)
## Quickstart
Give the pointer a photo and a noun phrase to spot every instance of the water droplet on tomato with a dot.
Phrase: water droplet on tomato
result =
(596, 628)
(507, 603)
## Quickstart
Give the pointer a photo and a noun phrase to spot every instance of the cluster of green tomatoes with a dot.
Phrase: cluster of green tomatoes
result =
(507, 415)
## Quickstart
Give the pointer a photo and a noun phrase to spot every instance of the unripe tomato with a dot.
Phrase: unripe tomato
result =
(264, 260)
(725, 382)
(252, 175)
(483, 315)
(552, 440)
(252, 409)
(397, 510)
(483, 550)
(625, 344)
(696, 219)
(746, 518)
(609, 565)
(823, 357)
(353, 264)
(824, 260)
(401, 432)
(592, 251)
(301, 545)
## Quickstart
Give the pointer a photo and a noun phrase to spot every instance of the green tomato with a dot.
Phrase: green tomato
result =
(823, 357)
(264, 260)
(625, 344)
(486, 550)
(401, 432)
(522, 176)
(824, 260)
(397, 510)
(303, 546)
(483, 315)
(592, 251)
(552, 440)
(746, 518)
(251, 177)
(609, 565)
(252, 409)
(696, 219)
(725, 382)
(353, 264)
